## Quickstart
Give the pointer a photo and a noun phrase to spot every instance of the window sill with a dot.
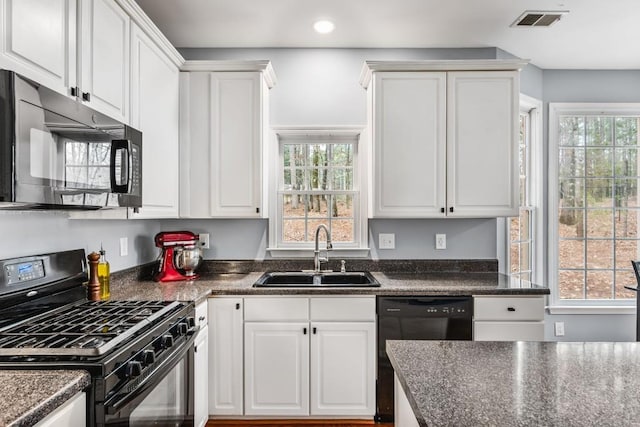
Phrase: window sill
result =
(308, 253)
(593, 309)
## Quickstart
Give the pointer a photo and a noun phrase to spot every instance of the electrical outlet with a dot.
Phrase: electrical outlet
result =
(387, 241)
(204, 240)
(441, 241)
(124, 246)
(559, 329)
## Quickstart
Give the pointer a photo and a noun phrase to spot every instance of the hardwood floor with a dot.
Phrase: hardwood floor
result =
(295, 423)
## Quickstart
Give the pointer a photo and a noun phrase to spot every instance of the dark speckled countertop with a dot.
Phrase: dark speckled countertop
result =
(29, 396)
(391, 284)
(466, 383)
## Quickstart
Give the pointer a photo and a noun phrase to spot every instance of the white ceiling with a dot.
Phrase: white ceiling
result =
(596, 34)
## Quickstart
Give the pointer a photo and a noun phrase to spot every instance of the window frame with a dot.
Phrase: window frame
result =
(585, 306)
(278, 248)
(532, 107)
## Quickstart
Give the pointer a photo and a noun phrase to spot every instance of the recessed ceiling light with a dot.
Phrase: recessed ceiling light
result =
(324, 26)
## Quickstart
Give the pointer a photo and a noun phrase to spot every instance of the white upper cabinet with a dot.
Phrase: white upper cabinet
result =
(39, 41)
(223, 129)
(409, 139)
(482, 143)
(154, 111)
(104, 57)
(78, 48)
(444, 138)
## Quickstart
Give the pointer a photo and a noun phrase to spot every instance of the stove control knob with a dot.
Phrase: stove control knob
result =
(134, 369)
(148, 357)
(183, 328)
(167, 341)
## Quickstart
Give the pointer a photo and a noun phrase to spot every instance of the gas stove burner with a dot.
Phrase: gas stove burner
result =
(90, 328)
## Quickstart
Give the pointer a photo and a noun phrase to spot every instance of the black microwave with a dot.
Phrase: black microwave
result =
(56, 152)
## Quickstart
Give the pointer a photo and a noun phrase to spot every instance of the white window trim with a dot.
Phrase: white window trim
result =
(536, 195)
(557, 306)
(360, 247)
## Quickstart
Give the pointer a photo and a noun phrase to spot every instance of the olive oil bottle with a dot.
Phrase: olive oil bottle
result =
(104, 275)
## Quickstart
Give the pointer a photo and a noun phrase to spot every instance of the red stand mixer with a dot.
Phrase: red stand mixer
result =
(180, 256)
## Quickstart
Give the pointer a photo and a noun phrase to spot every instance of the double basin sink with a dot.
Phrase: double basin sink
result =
(297, 279)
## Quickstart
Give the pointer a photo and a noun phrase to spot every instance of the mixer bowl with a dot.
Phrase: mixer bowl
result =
(188, 259)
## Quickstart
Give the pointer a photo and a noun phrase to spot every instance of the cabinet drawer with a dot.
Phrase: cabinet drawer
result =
(508, 308)
(276, 309)
(508, 331)
(201, 314)
(343, 309)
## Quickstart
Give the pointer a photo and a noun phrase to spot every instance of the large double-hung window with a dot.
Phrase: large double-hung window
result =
(522, 235)
(318, 182)
(594, 202)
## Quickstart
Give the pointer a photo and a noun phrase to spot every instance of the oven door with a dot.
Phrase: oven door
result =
(164, 398)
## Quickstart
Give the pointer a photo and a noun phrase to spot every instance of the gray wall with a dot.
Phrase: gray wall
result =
(588, 86)
(34, 232)
(319, 87)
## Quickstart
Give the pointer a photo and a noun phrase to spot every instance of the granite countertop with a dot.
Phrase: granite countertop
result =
(29, 396)
(467, 383)
(484, 283)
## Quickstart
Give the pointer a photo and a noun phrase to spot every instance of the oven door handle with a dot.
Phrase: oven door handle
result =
(117, 402)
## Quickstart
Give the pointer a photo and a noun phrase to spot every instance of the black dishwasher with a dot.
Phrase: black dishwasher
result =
(416, 318)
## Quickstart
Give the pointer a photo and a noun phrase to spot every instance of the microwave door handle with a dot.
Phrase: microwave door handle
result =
(117, 145)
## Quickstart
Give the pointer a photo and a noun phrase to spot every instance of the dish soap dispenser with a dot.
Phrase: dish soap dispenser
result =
(103, 275)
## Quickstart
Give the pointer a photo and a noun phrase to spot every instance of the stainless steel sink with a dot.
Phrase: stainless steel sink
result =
(297, 279)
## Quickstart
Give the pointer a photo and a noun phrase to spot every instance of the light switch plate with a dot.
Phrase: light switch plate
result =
(124, 246)
(441, 241)
(387, 241)
(559, 329)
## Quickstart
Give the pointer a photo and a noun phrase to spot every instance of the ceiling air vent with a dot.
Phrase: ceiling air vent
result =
(536, 18)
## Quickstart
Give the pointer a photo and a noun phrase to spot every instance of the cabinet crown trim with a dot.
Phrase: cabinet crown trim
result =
(369, 67)
(263, 66)
(136, 13)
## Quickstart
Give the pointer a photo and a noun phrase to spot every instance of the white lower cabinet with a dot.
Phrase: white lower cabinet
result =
(508, 318)
(72, 413)
(404, 416)
(201, 369)
(225, 356)
(302, 355)
(276, 368)
(343, 368)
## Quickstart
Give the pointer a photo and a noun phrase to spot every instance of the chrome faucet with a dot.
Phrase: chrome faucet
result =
(316, 253)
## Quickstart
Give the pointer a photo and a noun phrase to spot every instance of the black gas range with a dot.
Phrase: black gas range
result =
(139, 353)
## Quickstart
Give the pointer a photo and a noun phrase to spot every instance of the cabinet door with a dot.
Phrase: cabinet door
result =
(225, 356)
(104, 57)
(236, 141)
(276, 368)
(155, 112)
(508, 331)
(200, 377)
(39, 41)
(482, 143)
(343, 371)
(409, 144)
(72, 413)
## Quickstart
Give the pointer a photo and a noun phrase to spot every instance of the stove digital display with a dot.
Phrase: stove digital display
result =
(23, 272)
(25, 268)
